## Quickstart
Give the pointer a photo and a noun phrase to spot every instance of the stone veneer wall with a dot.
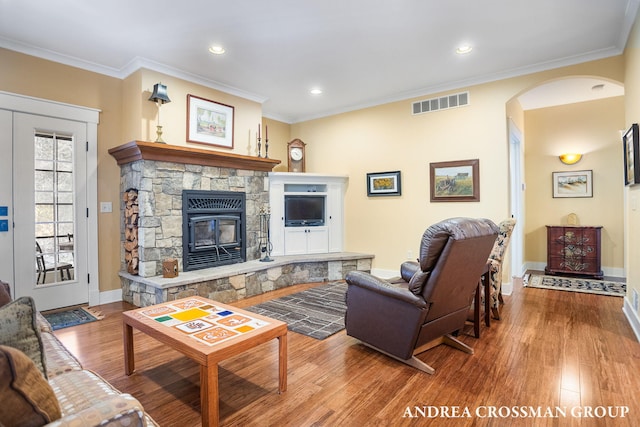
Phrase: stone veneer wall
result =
(246, 284)
(160, 186)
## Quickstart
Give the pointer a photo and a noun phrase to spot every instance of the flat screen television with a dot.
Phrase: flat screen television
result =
(302, 211)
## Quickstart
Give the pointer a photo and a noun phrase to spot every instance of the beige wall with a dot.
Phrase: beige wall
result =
(279, 135)
(632, 194)
(126, 114)
(592, 128)
(35, 77)
(388, 137)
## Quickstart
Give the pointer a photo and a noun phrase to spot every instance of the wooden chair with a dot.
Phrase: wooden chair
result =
(42, 268)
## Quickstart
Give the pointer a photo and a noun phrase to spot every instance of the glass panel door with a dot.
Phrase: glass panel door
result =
(50, 211)
(54, 207)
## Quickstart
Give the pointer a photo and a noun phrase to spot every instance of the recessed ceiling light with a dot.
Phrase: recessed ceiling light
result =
(316, 91)
(216, 50)
(463, 49)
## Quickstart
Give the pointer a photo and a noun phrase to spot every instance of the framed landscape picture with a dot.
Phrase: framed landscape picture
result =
(573, 184)
(631, 156)
(209, 122)
(384, 184)
(457, 181)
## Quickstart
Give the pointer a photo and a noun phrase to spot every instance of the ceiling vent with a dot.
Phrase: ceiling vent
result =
(441, 103)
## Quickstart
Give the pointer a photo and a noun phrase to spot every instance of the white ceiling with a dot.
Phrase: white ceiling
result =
(359, 52)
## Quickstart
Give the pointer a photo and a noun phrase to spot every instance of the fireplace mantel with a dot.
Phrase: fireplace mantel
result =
(142, 150)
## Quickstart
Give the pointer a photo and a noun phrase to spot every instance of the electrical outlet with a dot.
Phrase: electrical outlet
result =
(409, 254)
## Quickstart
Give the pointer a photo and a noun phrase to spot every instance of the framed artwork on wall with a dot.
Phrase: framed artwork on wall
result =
(384, 184)
(631, 144)
(457, 181)
(572, 184)
(209, 122)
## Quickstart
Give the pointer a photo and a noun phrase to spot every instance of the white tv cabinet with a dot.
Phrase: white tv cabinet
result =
(307, 239)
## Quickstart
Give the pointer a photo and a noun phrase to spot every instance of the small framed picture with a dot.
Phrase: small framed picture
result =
(631, 156)
(209, 122)
(384, 184)
(457, 181)
(573, 184)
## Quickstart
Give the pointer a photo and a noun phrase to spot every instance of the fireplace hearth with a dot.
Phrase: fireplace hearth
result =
(213, 228)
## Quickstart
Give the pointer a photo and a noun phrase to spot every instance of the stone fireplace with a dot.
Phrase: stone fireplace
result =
(159, 175)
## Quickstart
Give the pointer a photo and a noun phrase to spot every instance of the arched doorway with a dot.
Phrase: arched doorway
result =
(572, 114)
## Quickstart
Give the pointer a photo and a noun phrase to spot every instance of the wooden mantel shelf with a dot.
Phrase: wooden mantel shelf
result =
(142, 150)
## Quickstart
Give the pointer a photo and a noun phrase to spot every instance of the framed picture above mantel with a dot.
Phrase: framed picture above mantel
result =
(209, 122)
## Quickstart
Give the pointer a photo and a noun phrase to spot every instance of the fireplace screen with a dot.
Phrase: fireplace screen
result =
(214, 230)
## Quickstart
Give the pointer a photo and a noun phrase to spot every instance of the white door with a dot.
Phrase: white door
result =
(50, 210)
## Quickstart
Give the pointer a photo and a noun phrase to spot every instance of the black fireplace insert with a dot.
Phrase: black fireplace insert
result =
(213, 228)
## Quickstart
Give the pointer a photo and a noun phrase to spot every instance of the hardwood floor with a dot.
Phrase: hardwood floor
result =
(551, 349)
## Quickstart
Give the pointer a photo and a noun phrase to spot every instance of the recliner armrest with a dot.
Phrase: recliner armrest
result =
(408, 269)
(374, 284)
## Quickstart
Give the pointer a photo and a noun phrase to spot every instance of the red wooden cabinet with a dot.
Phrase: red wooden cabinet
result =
(574, 250)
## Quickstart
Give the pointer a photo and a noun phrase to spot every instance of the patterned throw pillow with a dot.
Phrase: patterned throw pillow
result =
(18, 329)
(26, 396)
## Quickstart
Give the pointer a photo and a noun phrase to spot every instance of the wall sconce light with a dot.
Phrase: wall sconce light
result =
(570, 158)
(159, 96)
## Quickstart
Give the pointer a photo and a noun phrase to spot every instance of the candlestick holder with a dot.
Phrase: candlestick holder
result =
(265, 234)
(259, 149)
(266, 148)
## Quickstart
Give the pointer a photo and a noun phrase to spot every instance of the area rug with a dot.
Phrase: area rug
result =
(317, 312)
(72, 316)
(601, 287)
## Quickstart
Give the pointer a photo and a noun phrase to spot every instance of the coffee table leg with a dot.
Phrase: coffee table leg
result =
(127, 338)
(282, 354)
(209, 395)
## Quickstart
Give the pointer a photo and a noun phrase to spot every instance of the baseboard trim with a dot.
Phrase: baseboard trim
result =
(107, 297)
(384, 274)
(632, 317)
(507, 288)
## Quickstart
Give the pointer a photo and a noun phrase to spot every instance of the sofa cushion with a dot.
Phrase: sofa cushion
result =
(79, 390)
(18, 329)
(26, 396)
(59, 359)
(5, 293)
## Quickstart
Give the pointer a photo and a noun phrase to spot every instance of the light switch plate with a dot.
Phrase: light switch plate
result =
(106, 207)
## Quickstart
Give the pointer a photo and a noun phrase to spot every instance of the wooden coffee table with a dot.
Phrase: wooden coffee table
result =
(207, 332)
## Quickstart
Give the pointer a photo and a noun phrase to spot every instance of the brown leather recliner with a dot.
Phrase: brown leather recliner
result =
(433, 298)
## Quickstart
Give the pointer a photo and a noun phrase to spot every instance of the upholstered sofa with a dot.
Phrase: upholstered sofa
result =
(42, 383)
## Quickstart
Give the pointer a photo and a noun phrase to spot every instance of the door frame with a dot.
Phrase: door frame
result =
(25, 104)
(517, 198)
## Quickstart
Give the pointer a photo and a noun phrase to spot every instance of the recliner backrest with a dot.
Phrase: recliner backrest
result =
(449, 250)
